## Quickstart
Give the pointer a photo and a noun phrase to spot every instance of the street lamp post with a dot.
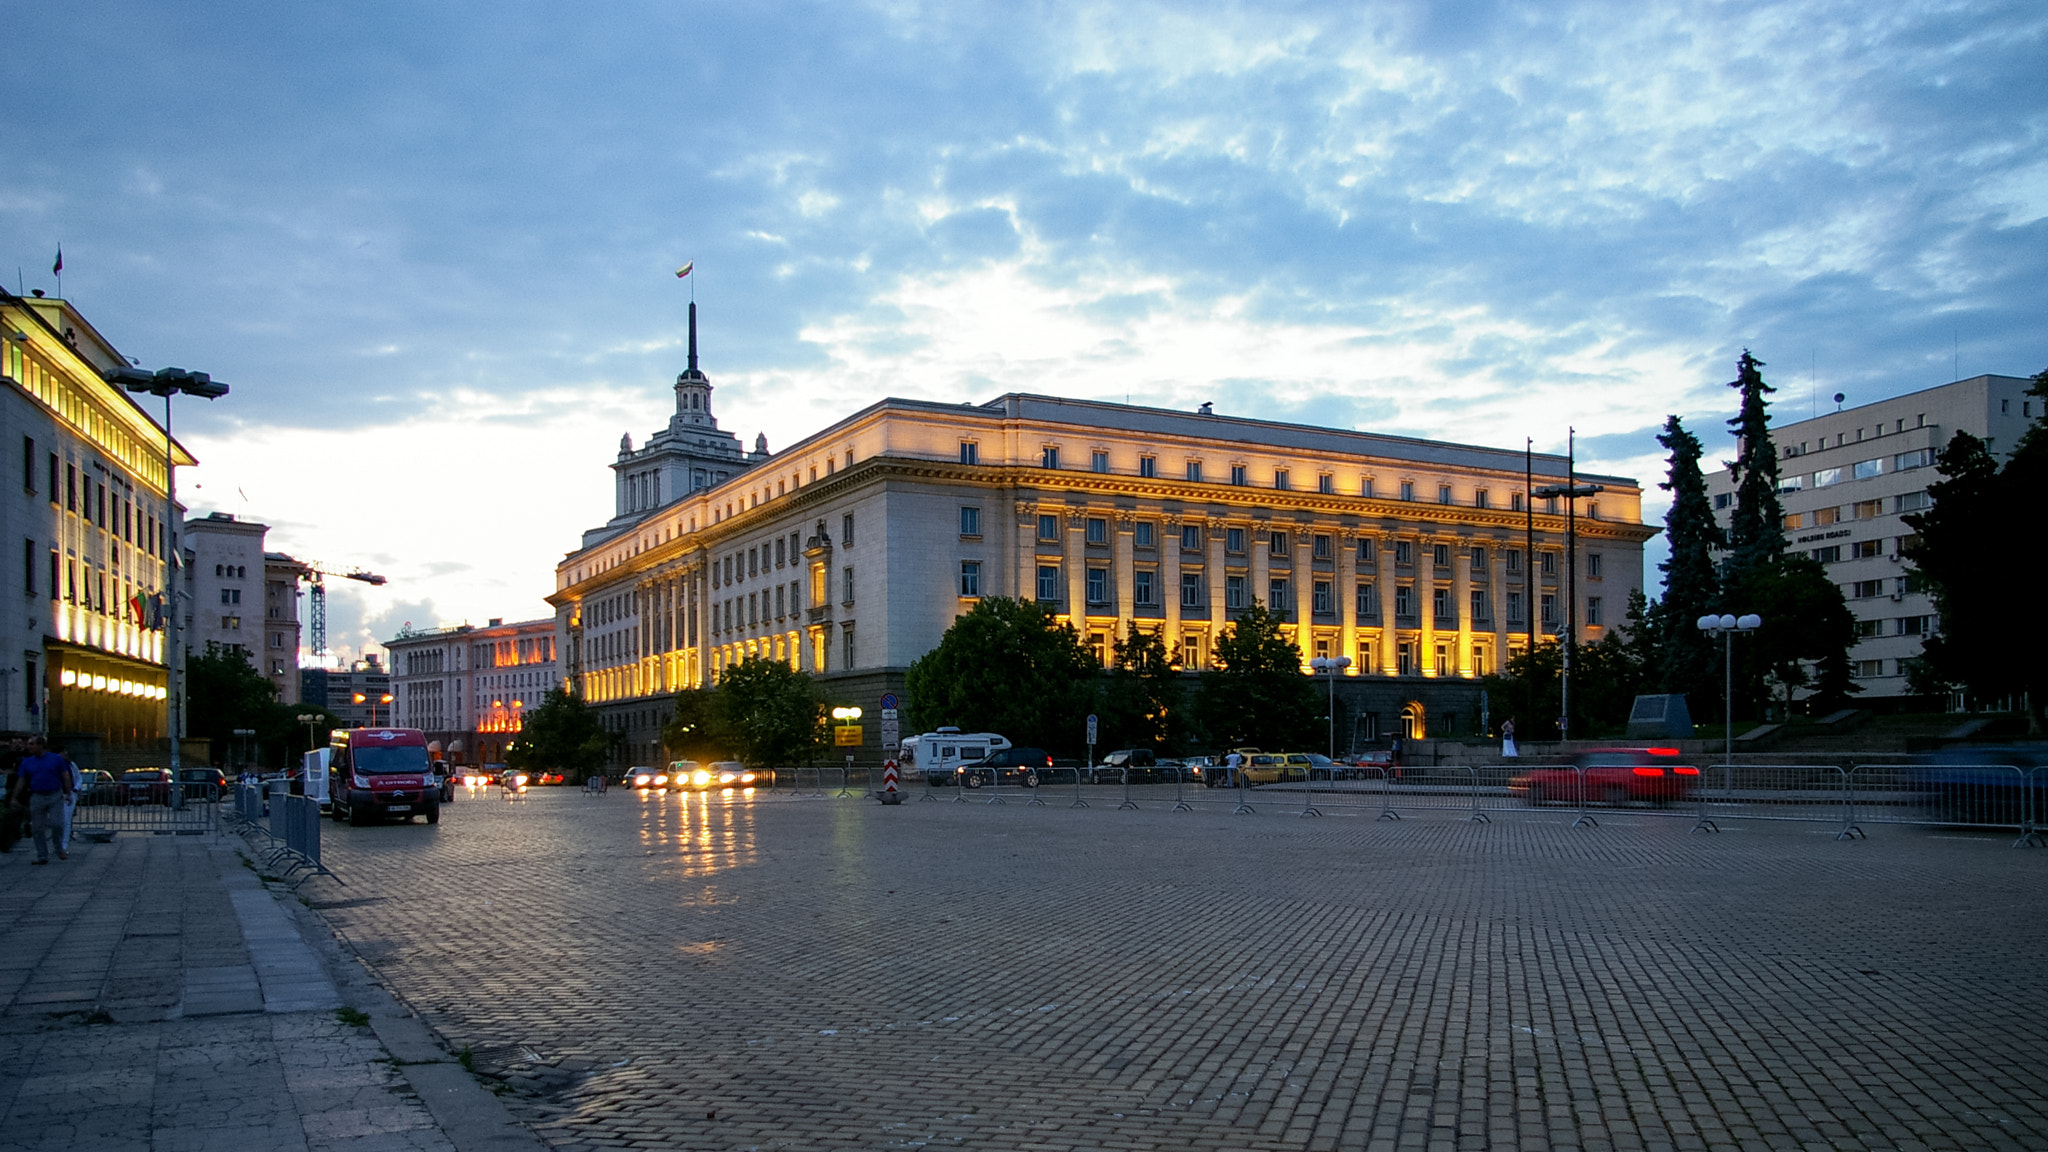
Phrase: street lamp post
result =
(1726, 627)
(167, 382)
(1571, 490)
(373, 702)
(309, 719)
(1331, 666)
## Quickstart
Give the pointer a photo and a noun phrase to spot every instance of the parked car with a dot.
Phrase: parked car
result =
(1612, 776)
(144, 786)
(1007, 766)
(1202, 769)
(1312, 766)
(96, 786)
(203, 783)
(1144, 766)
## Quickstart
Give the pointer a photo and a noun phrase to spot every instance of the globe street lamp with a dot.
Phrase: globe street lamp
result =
(1331, 666)
(1726, 627)
(309, 719)
(167, 382)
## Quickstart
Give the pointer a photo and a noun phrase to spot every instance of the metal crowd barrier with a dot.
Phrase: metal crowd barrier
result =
(1992, 796)
(295, 833)
(109, 809)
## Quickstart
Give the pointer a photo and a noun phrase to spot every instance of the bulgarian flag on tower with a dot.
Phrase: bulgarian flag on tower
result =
(685, 269)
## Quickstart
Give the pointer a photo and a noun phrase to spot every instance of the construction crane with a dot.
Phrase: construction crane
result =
(316, 598)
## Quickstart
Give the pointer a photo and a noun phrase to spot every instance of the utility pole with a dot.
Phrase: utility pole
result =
(1571, 490)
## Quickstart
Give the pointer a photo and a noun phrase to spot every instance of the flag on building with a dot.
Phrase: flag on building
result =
(57, 268)
(680, 272)
(135, 606)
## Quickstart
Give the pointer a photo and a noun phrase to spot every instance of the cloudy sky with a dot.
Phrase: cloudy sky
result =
(432, 247)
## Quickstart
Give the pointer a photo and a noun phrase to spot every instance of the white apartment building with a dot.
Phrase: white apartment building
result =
(82, 647)
(849, 553)
(1847, 478)
(469, 688)
(243, 598)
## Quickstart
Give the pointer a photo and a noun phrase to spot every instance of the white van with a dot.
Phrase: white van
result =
(936, 754)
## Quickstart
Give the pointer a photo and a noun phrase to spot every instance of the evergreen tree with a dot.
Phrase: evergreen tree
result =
(1684, 658)
(1258, 698)
(1756, 529)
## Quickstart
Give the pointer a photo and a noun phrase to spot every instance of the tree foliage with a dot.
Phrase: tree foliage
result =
(769, 714)
(225, 692)
(1973, 503)
(1006, 666)
(1142, 701)
(1805, 639)
(1756, 529)
(1677, 656)
(1258, 696)
(563, 734)
(693, 730)
(1606, 675)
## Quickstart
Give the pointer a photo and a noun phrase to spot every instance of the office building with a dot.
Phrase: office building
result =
(468, 688)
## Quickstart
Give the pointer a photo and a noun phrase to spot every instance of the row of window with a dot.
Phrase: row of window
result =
(1051, 585)
(77, 582)
(1896, 626)
(1872, 589)
(1282, 479)
(1842, 438)
(788, 550)
(1279, 542)
(111, 508)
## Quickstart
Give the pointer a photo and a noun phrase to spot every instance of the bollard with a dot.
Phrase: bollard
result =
(1128, 803)
(889, 793)
(1180, 785)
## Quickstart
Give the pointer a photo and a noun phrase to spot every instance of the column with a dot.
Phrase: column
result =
(1425, 608)
(1496, 598)
(1122, 556)
(1261, 546)
(1027, 552)
(1344, 585)
(1461, 601)
(1217, 567)
(1390, 636)
(1303, 581)
(1169, 578)
(1075, 555)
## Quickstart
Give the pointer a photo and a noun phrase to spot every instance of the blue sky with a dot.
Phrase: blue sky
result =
(432, 248)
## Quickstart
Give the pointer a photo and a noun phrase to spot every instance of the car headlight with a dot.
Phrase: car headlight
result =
(639, 780)
(700, 777)
(746, 778)
(661, 779)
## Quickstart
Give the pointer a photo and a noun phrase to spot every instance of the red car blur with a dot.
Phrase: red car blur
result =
(1613, 776)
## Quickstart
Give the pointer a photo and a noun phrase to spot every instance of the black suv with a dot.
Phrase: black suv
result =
(1009, 766)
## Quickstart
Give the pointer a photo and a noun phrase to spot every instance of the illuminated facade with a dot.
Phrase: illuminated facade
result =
(1846, 481)
(84, 663)
(468, 688)
(850, 553)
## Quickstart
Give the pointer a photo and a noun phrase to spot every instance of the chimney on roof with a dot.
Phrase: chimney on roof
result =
(1207, 409)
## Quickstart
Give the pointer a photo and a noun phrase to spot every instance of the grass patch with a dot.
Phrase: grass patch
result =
(467, 1058)
(354, 1017)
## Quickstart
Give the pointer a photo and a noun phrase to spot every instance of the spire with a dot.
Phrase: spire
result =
(693, 336)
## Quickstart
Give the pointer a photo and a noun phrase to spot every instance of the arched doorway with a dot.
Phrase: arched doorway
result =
(1414, 724)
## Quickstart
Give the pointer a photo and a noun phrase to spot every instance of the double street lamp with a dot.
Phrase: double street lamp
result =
(1727, 627)
(168, 382)
(1571, 490)
(373, 702)
(1331, 666)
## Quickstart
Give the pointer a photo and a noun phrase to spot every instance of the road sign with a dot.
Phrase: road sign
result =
(1091, 728)
(888, 713)
(892, 737)
(889, 700)
(847, 736)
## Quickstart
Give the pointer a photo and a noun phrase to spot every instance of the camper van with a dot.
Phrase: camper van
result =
(936, 754)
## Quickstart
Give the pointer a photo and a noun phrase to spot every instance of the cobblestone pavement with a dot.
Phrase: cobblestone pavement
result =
(710, 973)
(153, 995)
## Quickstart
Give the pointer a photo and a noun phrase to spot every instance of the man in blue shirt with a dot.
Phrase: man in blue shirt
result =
(47, 776)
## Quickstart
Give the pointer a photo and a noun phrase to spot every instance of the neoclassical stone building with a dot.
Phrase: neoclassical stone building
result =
(849, 553)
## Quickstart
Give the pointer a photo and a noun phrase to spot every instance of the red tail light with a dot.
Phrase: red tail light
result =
(1647, 771)
(1682, 770)
(1662, 751)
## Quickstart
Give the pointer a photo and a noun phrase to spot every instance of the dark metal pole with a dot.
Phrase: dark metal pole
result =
(1530, 583)
(1571, 578)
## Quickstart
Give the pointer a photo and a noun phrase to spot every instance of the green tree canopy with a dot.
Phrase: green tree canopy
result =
(225, 692)
(1606, 675)
(1142, 702)
(1006, 666)
(1805, 639)
(694, 731)
(768, 713)
(1973, 645)
(1258, 696)
(563, 734)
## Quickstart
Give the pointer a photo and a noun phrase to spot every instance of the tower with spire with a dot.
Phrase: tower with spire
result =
(692, 452)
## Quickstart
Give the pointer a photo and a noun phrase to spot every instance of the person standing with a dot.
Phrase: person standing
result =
(71, 797)
(47, 776)
(1232, 766)
(1507, 738)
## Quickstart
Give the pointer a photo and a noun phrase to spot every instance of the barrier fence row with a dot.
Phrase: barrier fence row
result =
(1846, 798)
(150, 808)
(291, 823)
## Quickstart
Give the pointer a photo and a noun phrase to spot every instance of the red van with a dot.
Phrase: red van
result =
(378, 772)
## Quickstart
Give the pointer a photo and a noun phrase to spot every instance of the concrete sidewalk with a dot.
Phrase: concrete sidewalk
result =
(154, 994)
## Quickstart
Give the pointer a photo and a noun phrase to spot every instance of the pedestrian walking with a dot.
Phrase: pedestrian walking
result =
(1507, 738)
(47, 776)
(71, 798)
